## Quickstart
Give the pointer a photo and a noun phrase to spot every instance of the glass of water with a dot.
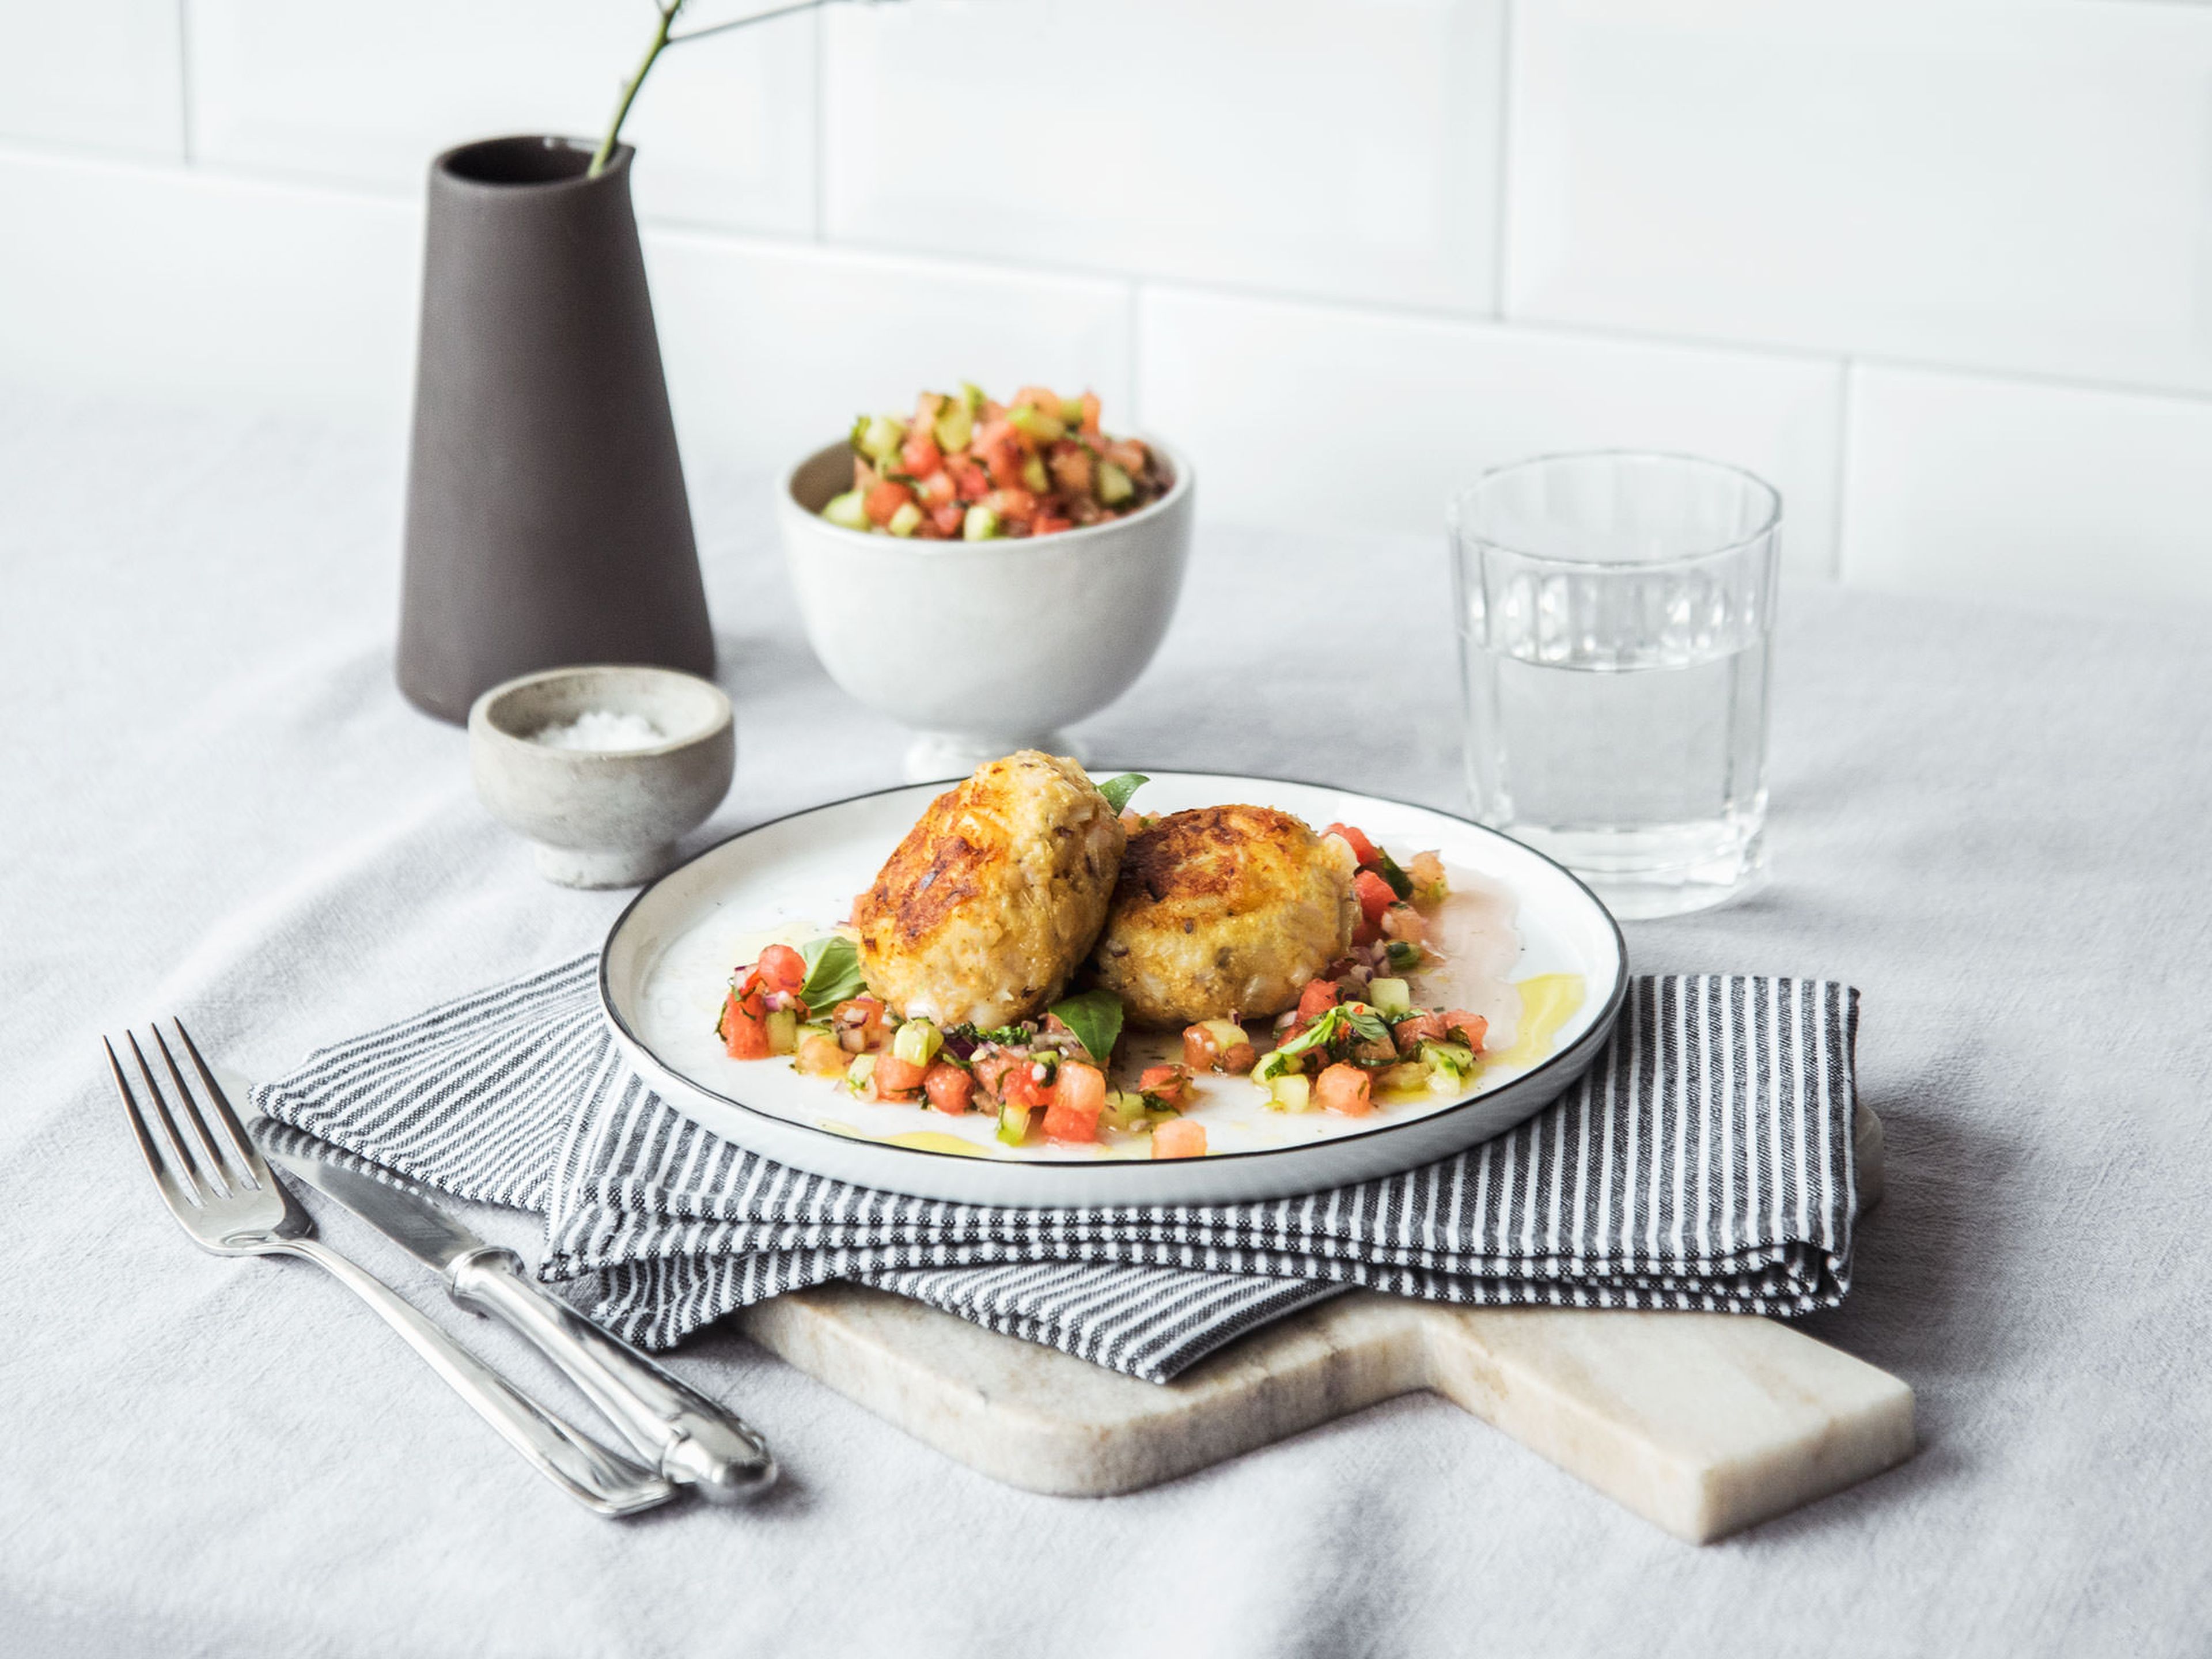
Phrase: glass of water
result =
(1616, 611)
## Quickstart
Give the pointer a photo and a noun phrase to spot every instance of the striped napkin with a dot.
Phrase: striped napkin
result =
(1704, 1162)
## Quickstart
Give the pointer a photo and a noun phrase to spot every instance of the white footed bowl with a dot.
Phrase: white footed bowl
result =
(984, 647)
(603, 817)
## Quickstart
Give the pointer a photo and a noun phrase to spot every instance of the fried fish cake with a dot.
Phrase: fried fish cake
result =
(986, 908)
(1224, 910)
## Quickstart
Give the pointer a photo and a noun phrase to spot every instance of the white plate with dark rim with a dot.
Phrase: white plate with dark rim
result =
(667, 961)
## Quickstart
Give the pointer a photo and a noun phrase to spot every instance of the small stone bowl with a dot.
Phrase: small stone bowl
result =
(603, 817)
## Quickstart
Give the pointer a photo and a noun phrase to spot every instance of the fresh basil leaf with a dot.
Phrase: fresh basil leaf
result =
(1325, 1026)
(1334, 1023)
(833, 972)
(1386, 867)
(1366, 1024)
(1095, 1016)
(1117, 791)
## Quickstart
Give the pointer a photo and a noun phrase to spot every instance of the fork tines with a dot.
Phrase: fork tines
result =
(190, 1168)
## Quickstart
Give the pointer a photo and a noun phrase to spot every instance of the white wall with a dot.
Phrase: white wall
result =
(1942, 269)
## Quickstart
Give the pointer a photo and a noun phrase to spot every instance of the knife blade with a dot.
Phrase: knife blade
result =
(690, 1438)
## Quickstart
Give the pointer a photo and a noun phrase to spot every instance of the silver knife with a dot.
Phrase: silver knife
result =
(673, 1427)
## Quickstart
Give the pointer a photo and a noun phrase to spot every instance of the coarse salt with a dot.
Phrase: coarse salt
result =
(602, 729)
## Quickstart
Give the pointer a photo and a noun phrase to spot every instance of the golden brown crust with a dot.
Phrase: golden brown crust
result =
(1224, 910)
(986, 907)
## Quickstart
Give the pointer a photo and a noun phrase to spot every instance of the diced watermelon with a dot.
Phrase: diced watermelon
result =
(1079, 1095)
(1179, 1139)
(1467, 1028)
(1343, 1088)
(971, 481)
(1171, 1082)
(920, 453)
(1319, 995)
(1013, 506)
(744, 1026)
(885, 499)
(1410, 1034)
(1373, 895)
(1071, 465)
(1067, 1123)
(949, 1089)
(1021, 1088)
(1000, 446)
(895, 1079)
(782, 968)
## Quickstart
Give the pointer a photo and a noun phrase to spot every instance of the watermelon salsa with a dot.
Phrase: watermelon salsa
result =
(1355, 1030)
(964, 467)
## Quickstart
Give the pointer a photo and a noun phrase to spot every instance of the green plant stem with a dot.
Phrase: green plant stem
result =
(606, 150)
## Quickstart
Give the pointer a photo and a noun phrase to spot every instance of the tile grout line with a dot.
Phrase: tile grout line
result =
(1501, 252)
(820, 125)
(1352, 308)
(184, 79)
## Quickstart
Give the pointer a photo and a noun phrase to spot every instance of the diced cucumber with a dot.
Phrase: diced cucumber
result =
(1126, 1109)
(1274, 1064)
(1113, 485)
(982, 524)
(971, 396)
(1070, 411)
(858, 1073)
(1013, 1124)
(1408, 1074)
(1391, 997)
(1034, 475)
(906, 520)
(878, 437)
(1450, 1065)
(917, 1041)
(1045, 428)
(1226, 1033)
(783, 1031)
(847, 511)
(1404, 954)
(955, 426)
(1291, 1092)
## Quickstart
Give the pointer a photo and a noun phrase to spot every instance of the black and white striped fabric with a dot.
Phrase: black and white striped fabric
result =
(1704, 1162)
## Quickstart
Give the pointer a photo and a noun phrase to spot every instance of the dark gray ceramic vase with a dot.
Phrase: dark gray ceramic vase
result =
(546, 518)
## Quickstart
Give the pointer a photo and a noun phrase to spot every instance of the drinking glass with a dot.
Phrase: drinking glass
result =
(1616, 613)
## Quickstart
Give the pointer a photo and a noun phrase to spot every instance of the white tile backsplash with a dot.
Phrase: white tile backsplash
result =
(2016, 184)
(273, 293)
(1282, 234)
(772, 350)
(724, 128)
(97, 77)
(1316, 146)
(1296, 414)
(1963, 484)
(180, 285)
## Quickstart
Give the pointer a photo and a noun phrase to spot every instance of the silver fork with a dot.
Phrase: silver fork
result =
(217, 1185)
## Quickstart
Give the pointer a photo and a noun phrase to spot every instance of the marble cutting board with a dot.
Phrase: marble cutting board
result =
(1702, 1423)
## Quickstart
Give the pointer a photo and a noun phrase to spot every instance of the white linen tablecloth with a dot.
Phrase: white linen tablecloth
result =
(1994, 820)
